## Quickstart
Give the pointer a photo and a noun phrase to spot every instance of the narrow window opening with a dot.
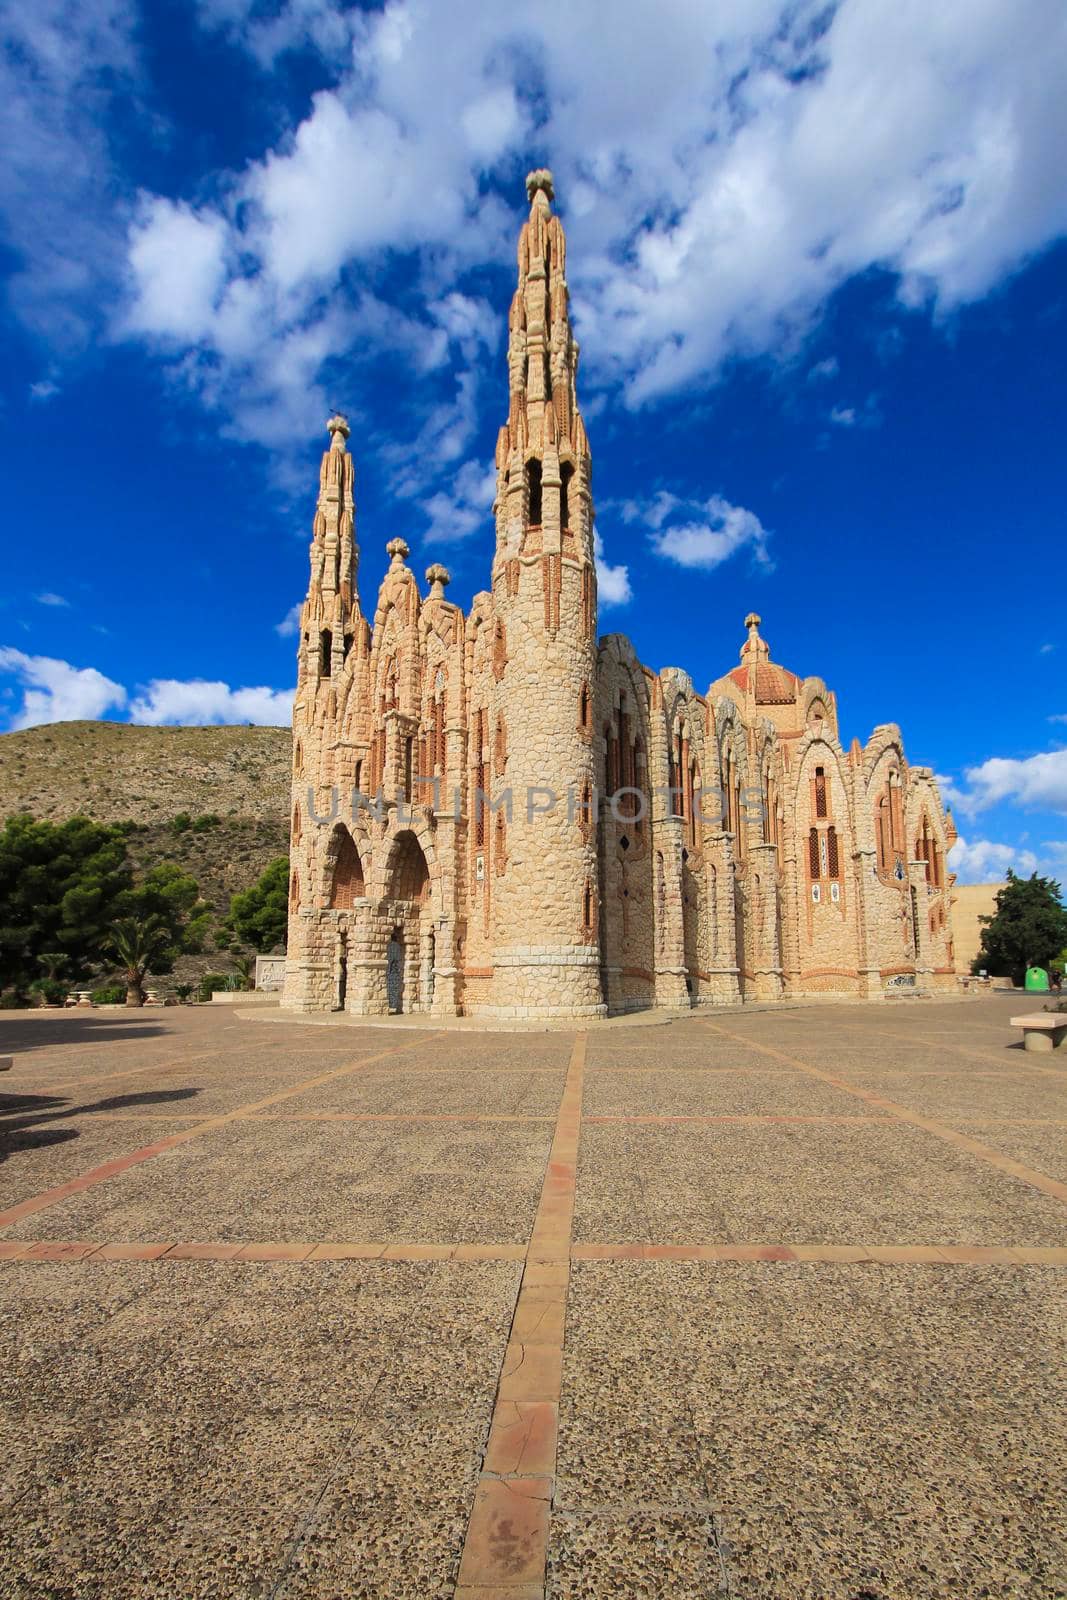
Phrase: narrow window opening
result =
(327, 652)
(533, 482)
(565, 476)
(820, 792)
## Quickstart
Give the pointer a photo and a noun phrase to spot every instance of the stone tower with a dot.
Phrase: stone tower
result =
(446, 854)
(544, 601)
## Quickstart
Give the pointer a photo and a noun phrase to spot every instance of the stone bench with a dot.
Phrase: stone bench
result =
(1042, 1030)
(5, 1063)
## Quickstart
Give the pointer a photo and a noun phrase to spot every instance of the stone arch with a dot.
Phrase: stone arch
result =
(344, 870)
(407, 872)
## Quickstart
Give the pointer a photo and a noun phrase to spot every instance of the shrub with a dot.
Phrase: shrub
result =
(208, 820)
(112, 994)
(13, 1000)
(183, 991)
(181, 822)
(49, 991)
(212, 981)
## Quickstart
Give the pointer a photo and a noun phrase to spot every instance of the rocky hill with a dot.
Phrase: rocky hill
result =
(115, 772)
(228, 788)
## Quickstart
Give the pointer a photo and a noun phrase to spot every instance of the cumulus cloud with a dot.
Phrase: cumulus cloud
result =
(289, 626)
(197, 702)
(698, 533)
(55, 691)
(612, 583)
(44, 390)
(986, 861)
(462, 507)
(721, 173)
(1038, 781)
(50, 599)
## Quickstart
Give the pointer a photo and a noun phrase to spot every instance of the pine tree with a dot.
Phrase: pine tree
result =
(1028, 928)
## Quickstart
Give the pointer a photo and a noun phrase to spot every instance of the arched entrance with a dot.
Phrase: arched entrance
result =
(409, 946)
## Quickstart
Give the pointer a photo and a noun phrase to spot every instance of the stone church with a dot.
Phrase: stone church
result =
(500, 814)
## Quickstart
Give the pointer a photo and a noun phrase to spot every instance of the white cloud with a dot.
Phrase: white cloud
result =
(196, 702)
(695, 533)
(64, 62)
(985, 861)
(843, 416)
(721, 172)
(289, 626)
(1039, 781)
(54, 691)
(45, 390)
(828, 368)
(50, 599)
(177, 258)
(612, 583)
(463, 506)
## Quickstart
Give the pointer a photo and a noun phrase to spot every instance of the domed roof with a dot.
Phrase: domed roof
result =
(773, 685)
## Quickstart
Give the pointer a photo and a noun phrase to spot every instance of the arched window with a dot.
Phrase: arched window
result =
(833, 855)
(294, 892)
(566, 473)
(347, 875)
(584, 716)
(820, 792)
(500, 842)
(296, 824)
(813, 854)
(533, 487)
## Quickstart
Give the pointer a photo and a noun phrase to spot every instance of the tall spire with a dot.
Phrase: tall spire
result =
(332, 605)
(542, 457)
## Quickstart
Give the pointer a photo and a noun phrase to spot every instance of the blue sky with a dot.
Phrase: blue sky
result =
(818, 264)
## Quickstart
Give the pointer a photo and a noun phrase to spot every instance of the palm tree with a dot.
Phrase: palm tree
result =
(246, 968)
(137, 942)
(53, 962)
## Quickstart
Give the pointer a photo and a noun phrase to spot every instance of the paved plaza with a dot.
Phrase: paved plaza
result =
(759, 1305)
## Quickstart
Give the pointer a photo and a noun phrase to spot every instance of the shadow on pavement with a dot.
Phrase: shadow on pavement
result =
(22, 1116)
(22, 1033)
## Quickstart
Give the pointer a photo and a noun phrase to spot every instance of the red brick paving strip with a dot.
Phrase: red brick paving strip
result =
(111, 1169)
(506, 1546)
(962, 1141)
(77, 1251)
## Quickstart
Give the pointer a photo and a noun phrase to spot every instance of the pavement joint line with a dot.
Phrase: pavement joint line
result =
(849, 1254)
(112, 1169)
(962, 1141)
(961, 1050)
(752, 1119)
(546, 1308)
(505, 1550)
(170, 1065)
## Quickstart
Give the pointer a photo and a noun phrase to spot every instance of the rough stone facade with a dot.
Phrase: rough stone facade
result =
(549, 828)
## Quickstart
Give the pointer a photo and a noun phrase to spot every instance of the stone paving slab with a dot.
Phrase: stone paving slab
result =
(781, 1348)
(804, 1182)
(261, 1180)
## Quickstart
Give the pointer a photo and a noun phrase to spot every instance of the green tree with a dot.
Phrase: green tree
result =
(1028, 928)
(261, 914)
(61, 888)
(172, 896)
(138, 944)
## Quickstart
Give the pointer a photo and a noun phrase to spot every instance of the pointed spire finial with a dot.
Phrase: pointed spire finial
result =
(754, 646)
(438, 577)
(540, 181)
(338, 429)
(398, 549)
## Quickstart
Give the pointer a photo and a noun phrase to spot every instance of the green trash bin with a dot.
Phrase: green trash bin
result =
(1036, 980)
